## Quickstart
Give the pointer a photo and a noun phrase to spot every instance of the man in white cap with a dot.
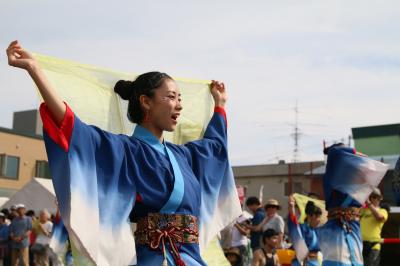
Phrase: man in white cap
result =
(372, 220)
(20, 229)
(13, 212)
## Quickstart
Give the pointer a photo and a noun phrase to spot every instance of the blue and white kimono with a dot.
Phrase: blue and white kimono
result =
(100, 177)
(348, 181)
(304, 239)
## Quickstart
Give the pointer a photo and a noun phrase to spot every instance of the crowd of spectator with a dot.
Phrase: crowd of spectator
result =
(25, 237)
(254, 239)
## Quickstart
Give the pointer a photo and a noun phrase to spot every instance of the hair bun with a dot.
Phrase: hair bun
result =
(326, 150)
(312, 209)
(309, 207)
(124, 89)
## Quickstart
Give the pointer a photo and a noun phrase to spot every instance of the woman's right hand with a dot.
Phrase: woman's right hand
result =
(18, 57)
(292, 201)
(292, 205)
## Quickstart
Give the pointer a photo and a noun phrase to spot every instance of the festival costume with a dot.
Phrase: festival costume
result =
(179, 195)
(348, 181)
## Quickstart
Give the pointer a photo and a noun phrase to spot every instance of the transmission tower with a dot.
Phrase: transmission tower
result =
(296, 134)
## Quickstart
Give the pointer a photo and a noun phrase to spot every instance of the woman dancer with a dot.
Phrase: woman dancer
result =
(348, 181)
(307, 231)
(101, 177)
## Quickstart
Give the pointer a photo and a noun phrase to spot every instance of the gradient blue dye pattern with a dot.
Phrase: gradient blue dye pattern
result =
(98, 178)
(348, 181)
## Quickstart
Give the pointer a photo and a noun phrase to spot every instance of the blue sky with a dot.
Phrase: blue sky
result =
(339, 60)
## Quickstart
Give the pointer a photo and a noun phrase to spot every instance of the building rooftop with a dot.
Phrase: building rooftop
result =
(281, 169)
(14, 132)
(376, 131)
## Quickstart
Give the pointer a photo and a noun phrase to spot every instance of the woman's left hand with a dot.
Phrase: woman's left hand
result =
(219, 93)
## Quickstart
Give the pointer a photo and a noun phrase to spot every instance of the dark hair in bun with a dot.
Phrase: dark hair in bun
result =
(312, 209)
(144, 84)
(326, 150)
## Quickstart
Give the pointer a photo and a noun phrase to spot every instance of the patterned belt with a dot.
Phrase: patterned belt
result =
(312, 255)
(346, 214)
(156, 229)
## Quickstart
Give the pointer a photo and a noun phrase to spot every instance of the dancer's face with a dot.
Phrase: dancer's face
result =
(314, 220)
(165, 106)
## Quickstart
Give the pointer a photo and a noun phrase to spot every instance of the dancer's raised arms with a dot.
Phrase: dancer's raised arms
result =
(19, 57)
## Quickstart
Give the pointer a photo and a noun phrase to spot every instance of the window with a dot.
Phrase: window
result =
(42, 169)
(9, 166)
(297, 187)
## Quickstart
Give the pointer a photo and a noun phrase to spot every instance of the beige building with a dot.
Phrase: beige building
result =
(22, 153)
(279, 180)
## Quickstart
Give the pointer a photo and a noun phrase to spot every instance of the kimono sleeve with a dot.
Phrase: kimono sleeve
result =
(350, 177)
(94, 188)
(297, 237)
(210, 163)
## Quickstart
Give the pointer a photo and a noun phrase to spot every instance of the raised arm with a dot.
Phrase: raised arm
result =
(379, 214)
(219, 93)
(214, 141)
(20, 58)
(292, 205)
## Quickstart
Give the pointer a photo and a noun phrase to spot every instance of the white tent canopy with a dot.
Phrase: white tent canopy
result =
(36, 195)
(3, 200)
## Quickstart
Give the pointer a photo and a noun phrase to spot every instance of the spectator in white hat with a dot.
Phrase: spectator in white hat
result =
(273, 220)
(20, 228)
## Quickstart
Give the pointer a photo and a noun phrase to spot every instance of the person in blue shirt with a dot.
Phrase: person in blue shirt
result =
(4, 239)
(19, 230)
(254, 205)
